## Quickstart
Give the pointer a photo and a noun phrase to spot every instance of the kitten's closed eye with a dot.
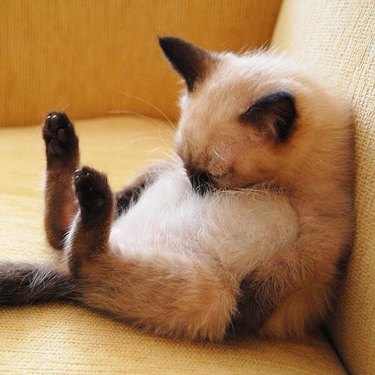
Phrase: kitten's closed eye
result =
(220, 175)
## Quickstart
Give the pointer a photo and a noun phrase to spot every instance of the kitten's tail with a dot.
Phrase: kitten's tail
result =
(22, 283)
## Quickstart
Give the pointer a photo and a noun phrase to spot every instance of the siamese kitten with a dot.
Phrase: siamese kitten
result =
(243, 231)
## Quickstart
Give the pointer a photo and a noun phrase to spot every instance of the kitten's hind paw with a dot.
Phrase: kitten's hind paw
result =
(61, 141)
(93, 193)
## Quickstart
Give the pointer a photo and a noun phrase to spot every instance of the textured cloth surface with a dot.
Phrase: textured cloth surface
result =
(339, 37)
(68, 339)
(95, 56)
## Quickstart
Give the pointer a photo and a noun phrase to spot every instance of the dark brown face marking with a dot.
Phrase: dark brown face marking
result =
(273, 114)
(190, 61)
(200, 180)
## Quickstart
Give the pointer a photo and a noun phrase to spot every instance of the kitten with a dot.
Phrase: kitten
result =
(242, 232)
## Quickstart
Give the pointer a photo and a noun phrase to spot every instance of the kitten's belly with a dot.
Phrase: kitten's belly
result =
(238, 229)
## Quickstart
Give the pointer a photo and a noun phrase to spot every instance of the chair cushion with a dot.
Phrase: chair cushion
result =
(60, 338)
(339, 37)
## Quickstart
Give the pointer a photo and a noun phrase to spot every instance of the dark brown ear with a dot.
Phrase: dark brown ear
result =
(273, 114)
(190, 61)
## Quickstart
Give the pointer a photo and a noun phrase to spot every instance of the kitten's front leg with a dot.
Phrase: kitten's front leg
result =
(89, 233)
(62, 153)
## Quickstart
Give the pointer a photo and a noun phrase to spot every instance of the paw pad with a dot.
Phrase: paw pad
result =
(59, 137)
(92, 189)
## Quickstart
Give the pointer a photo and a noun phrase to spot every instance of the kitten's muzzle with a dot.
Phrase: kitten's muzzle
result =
(201, 181)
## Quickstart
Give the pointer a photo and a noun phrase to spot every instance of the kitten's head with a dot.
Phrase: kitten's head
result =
(245, 119)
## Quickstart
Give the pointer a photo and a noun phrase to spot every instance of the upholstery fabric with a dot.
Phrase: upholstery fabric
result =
(63, 339)
(339, 37)
(95, 56)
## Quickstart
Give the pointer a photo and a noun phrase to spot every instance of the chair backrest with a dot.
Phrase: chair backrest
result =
(339, 36)
(91, 57)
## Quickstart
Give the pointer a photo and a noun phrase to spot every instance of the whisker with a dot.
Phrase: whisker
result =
(62, 108)
(168, 153)
(218, 155)
(151, 105)
(160, 124)
(140, 137)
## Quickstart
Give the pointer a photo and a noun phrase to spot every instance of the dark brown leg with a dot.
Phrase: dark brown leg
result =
(131, 193)
(90, 231)
(257, 302)
(62, 152)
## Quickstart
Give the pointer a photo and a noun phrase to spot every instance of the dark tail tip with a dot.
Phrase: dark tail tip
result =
(22, 283)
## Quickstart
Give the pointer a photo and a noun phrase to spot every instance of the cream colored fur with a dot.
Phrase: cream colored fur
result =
(175, 260)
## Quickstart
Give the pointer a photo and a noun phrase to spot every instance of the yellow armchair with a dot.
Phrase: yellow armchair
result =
(94, 58)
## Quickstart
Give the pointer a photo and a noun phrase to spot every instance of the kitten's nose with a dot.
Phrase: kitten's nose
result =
(200, 180)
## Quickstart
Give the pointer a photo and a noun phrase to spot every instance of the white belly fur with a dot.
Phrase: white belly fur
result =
(238, 229)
